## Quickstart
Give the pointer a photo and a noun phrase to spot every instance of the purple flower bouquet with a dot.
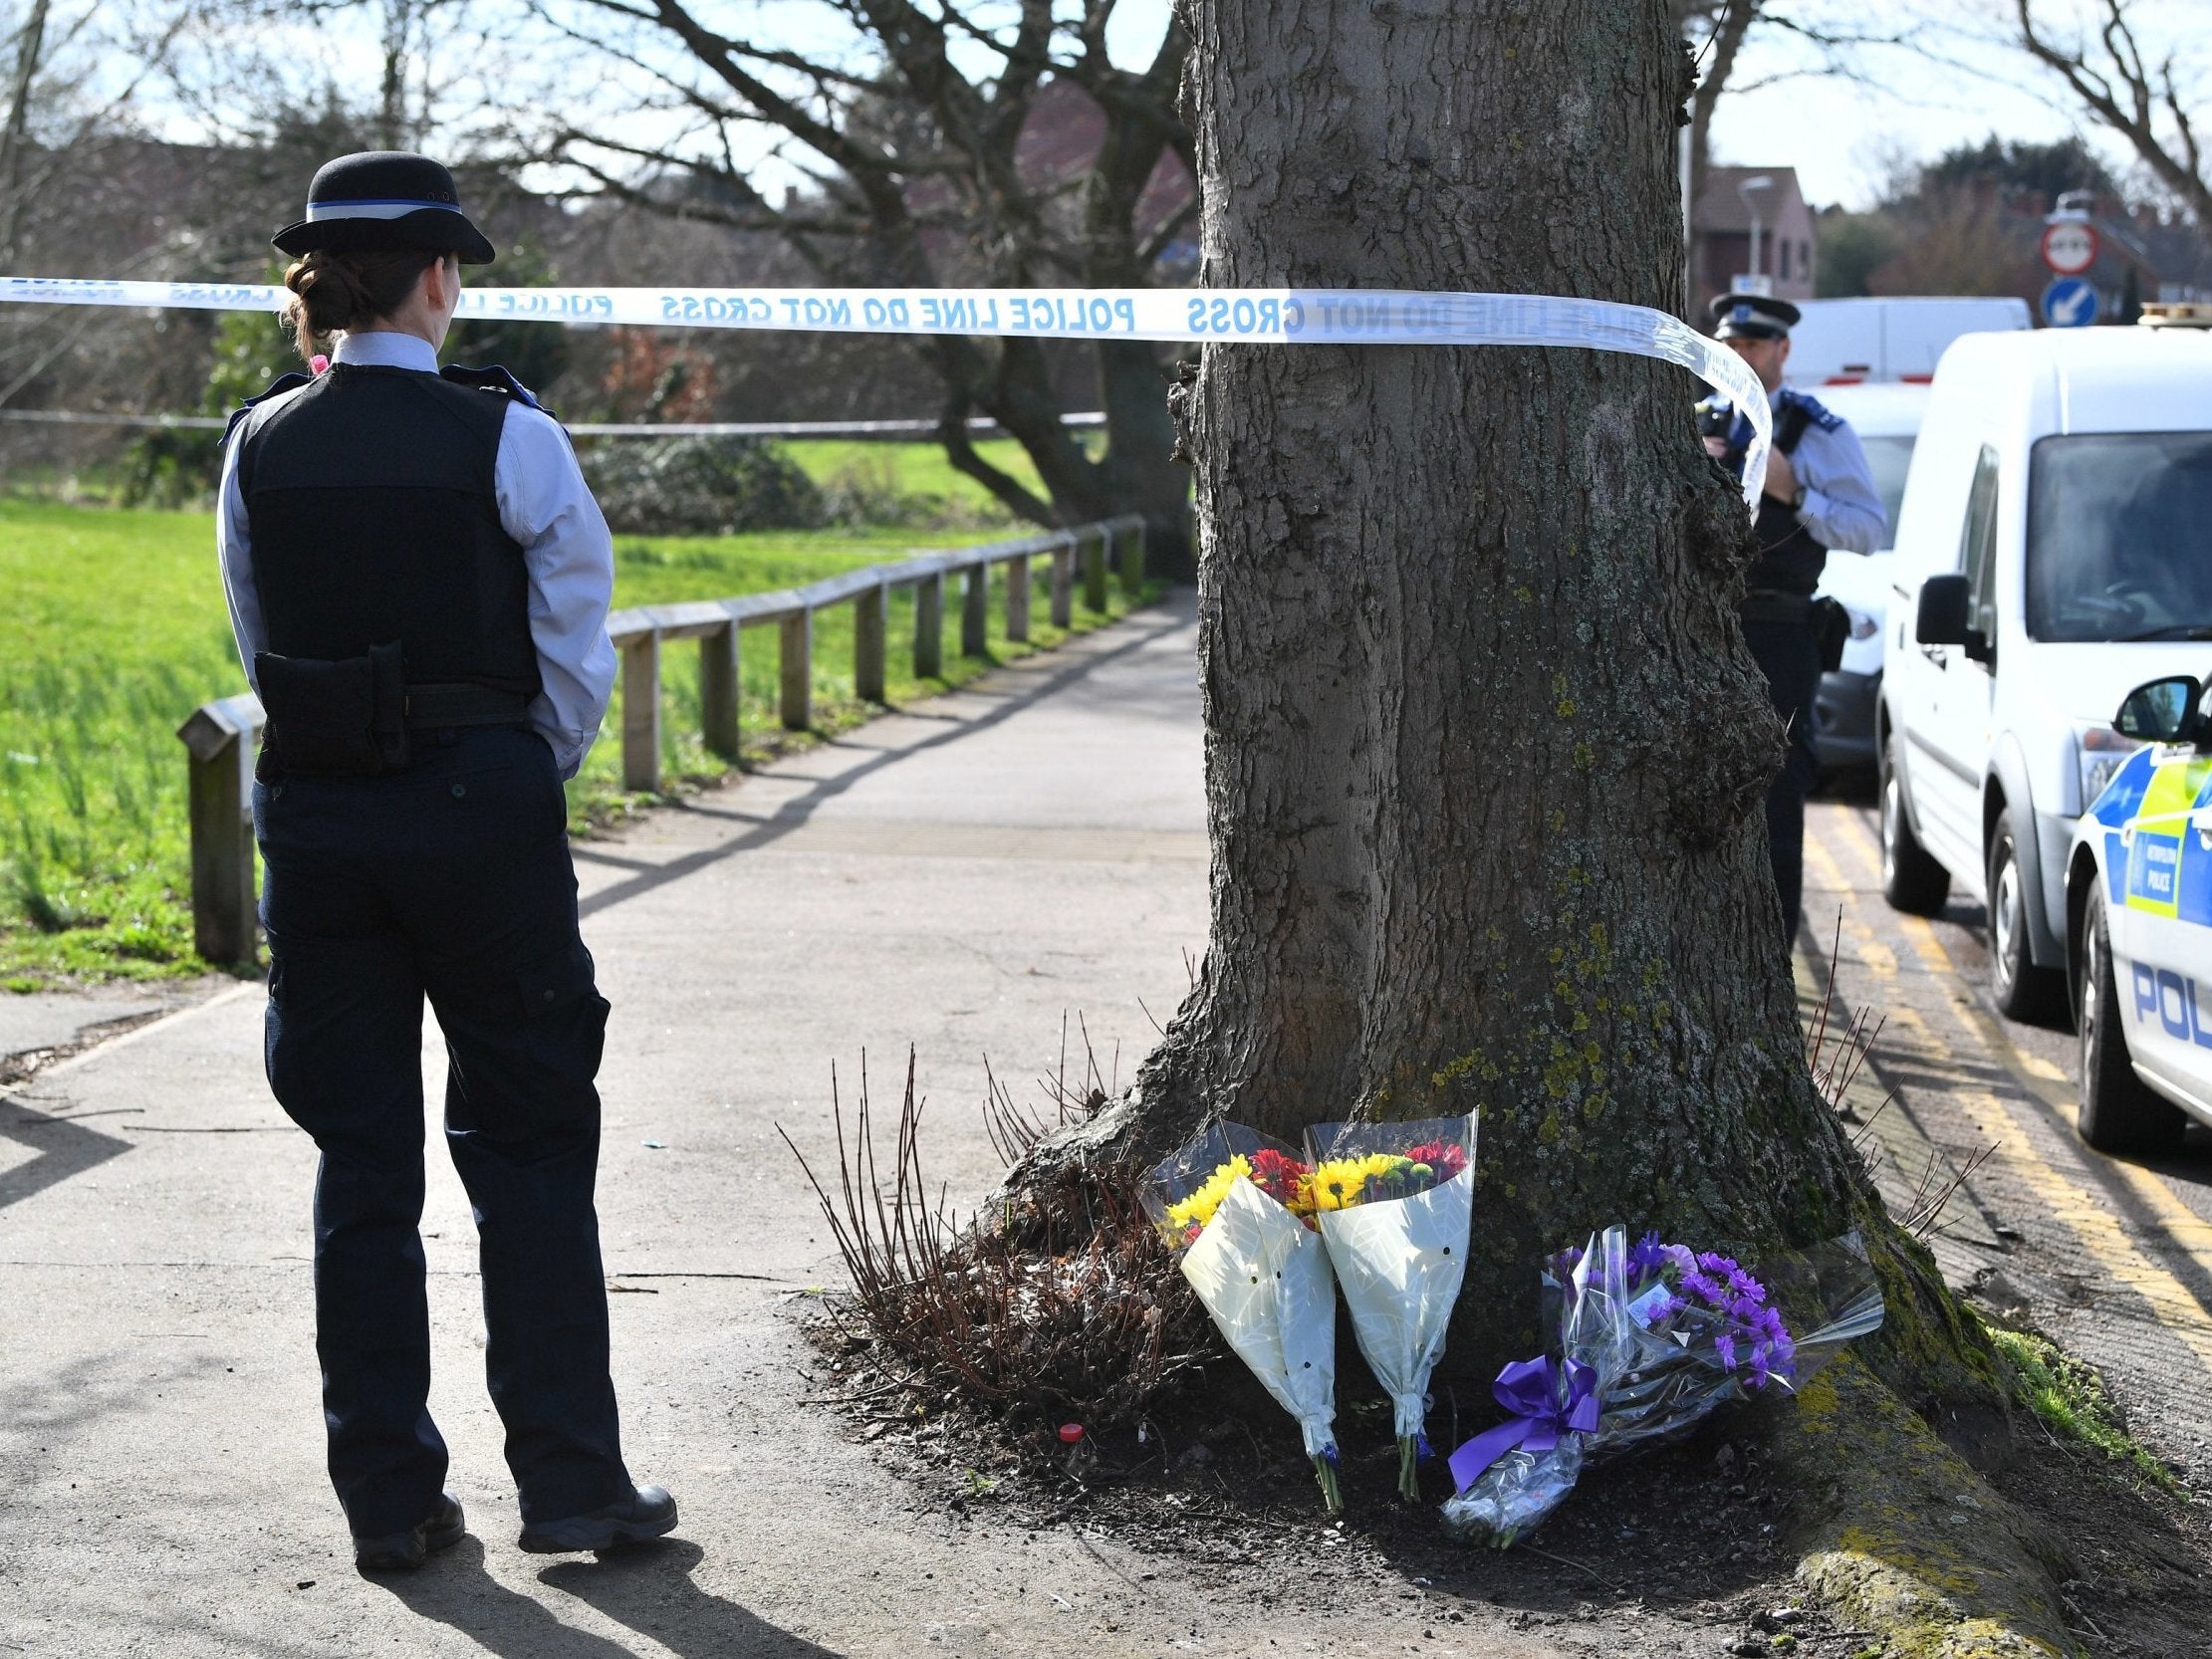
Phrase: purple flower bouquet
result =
(1651, 1337)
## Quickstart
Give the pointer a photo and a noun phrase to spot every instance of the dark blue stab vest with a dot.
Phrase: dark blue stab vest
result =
(373, 517)
(1790, 558)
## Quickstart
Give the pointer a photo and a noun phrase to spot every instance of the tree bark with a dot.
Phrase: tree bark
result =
(1484, 748)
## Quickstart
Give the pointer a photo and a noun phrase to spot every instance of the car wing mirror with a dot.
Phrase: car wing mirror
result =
(2161, 711)
(1946, 615)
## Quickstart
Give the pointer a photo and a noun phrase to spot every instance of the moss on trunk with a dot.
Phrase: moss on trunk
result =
(1901, 1535)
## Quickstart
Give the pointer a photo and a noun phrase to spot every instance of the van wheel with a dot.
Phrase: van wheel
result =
(2118, 1113)
(1910, 880)
(2022, 990)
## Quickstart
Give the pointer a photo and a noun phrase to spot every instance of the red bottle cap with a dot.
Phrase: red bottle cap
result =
(1070, 1433)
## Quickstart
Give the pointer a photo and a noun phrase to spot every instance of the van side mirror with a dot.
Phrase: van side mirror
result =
(1946, 615)
(2162, 711)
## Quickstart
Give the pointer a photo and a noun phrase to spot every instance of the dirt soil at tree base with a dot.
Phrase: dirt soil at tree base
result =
(1681, 1550)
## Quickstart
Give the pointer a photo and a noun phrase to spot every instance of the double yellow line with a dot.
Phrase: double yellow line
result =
(2008, 1124)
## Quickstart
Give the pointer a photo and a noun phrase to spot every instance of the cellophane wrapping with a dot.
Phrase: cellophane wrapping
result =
(1395, 1202)
(1662, 1368)
(1224, 1205)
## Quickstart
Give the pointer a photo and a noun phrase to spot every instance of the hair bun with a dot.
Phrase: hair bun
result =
(333, 292)
(329, 300)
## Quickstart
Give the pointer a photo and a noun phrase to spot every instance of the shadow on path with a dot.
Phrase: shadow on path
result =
(64, 1148)
(647, 1588)
(793, 814)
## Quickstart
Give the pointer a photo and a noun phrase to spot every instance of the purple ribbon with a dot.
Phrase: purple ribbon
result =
(1530, 1389)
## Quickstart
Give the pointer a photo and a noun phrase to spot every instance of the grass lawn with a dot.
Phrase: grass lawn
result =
(121, 630)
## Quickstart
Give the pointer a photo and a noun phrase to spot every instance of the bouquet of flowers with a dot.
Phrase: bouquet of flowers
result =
(1651, 1337)
(1395, 1202)
(1237, 1209)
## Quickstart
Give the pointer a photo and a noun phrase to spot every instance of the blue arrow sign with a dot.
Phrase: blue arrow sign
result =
(2070, 302)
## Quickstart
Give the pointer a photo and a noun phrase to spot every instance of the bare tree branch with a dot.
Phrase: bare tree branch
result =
(2127, 96)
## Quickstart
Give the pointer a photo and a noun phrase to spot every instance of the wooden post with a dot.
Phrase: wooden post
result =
(1132, 559)
(795, 650)
(975, 610)
(219, 738)
(871, 631)
(1017, 597)
(718, 690)
(641, 712)
(929, 626)
(1063, 582)
(1095, 569)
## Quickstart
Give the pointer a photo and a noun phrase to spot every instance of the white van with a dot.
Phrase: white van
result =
(2053, 552)
(1845, 342)
(1887, 421)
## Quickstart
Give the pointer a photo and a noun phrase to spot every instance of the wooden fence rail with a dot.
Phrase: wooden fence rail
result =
(220, 736)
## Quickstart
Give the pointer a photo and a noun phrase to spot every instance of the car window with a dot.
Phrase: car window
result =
(2120, 536)
(1978, 542)
(1889, 459)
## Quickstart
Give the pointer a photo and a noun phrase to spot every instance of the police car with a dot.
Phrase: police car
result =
(2140, 928)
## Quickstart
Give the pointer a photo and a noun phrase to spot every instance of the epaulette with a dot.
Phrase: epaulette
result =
(494, 378)
(281, 385)
(1815, 411)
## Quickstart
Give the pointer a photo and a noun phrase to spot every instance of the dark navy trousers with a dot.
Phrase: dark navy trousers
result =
(449, 881)
(1789, 655)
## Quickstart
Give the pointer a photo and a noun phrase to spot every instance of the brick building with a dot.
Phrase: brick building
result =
(1720, 233)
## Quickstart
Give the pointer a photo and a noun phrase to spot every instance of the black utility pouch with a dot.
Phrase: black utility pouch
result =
(337, 719)
(1832, 630)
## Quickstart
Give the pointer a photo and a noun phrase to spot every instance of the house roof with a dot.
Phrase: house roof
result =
(1720, 206)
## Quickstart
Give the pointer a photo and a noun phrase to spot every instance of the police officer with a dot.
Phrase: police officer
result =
(1819, 495)
(418, 581)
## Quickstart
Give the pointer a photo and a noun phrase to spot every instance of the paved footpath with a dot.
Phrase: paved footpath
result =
(958, 876)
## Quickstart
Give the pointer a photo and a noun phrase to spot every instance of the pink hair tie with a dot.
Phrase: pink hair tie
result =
(319, 362)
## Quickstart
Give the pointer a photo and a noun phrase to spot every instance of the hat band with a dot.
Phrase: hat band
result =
(320, 210)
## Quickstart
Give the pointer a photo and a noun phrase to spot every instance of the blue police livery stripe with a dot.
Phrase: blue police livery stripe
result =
(2123, 794)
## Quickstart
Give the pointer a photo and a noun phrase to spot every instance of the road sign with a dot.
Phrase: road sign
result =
(2070, 246)
(2069, 303)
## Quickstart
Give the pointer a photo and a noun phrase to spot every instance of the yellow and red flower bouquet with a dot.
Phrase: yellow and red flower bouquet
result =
(1395, 1204)
(1238, 1210)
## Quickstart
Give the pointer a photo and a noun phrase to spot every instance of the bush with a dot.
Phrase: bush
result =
(180, 466)
(867, 491)
(700, 486)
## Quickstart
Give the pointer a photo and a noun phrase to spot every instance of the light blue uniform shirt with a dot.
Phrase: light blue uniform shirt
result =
(1842, 507)
(544, 504)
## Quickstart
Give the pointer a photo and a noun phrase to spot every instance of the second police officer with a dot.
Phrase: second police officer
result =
(419, 580)
(1819, 495)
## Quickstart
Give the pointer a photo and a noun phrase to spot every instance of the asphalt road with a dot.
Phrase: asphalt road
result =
(2111, 1256)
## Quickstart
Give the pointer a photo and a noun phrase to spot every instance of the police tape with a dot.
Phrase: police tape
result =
(1249, 315)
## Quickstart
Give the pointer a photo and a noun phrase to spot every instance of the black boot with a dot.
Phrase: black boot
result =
(404, 1551)
(648, 1513)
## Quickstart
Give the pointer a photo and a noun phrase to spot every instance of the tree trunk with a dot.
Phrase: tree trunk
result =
(1484, 748)
(30, 44)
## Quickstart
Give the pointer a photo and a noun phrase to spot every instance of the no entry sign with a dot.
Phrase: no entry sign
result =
(2070, 246)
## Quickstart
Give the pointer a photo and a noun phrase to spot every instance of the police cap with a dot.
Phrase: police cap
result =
(1753, 317)
(384, 199)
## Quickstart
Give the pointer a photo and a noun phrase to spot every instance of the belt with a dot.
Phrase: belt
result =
(1767, 606)
(465, 704)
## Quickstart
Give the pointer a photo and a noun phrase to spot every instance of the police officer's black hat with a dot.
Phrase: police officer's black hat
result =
(1753, 317)
(384, 199)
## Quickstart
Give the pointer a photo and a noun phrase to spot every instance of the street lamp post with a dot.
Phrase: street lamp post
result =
(1748, 190)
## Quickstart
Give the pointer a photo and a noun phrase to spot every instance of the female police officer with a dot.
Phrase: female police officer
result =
(418, 580)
